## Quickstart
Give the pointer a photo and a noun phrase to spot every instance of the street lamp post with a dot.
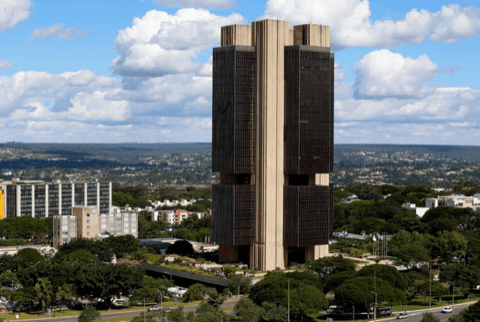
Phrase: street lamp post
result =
(375, 292)
(288, 316)
(430, 285)
(353, 316)
(453, 298)
(144, 312)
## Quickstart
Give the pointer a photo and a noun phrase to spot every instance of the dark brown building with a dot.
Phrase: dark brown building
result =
(272, 142)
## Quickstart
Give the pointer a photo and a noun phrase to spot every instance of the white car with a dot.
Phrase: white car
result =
(118, 302)
(447, 309)
(156, 308)
(402, 316)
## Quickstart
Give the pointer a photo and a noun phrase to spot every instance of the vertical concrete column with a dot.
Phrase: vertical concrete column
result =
(269, 38)
(98, 196)
(46, 200)
(73, 195)
(33, 201)
(109, 197)
(60, 199)
(19, 202)
(85, 194)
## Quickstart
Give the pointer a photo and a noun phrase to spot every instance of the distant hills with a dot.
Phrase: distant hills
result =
(15, 155)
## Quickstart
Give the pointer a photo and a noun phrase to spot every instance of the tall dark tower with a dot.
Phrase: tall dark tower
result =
(272, 142)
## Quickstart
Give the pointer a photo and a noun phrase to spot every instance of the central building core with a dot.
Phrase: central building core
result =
(272, 143)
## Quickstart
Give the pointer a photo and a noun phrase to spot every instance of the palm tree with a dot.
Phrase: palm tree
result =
(44, 290)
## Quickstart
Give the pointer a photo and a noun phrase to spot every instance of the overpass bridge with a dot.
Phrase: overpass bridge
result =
(184, 278)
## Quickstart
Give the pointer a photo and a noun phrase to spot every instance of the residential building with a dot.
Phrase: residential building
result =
(272, 142)
(39, 199)
(87, 222)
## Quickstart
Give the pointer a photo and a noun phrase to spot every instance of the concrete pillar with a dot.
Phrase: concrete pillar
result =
(98, 196)
(33, 201)
(46, 200)
(60, 199)
(85, 195)
(269, 38)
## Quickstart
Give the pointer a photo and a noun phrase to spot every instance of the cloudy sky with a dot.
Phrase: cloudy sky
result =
(140, 71)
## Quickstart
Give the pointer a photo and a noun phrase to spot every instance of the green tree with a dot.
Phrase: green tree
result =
(274, 313)
(239, 284)
(472, 314)
(358, 291)
(195, 292)
(303, 295)
(44, 292)
(96, 247)
(449, 245)
(387, 273)
(464, 277)
(248, 311)
(82, 256)
(122, 245)
(89, 314)
(307, 300)
(429, 317)
(331, 265)
(66, 292)
(176, 315)
(28, 257)
(335, 280)
(207, 313)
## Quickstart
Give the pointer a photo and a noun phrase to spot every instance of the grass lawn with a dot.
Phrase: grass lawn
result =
(422, 302)
(132, 307)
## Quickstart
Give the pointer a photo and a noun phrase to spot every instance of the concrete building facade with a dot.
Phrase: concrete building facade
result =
(272, 142)
(87, 222)
(38, 199)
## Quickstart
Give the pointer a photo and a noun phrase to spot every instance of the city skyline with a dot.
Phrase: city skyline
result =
(92, 72)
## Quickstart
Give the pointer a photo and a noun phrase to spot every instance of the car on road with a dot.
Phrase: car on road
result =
(402, 316)
(447, 309)
(157, 308)
(119, 302)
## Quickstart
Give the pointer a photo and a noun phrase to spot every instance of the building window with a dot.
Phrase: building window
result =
(88, 233)
(88, 227)
(88, 221)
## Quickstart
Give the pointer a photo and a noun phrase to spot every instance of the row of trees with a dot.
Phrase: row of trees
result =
(80, 268)
(380, 210)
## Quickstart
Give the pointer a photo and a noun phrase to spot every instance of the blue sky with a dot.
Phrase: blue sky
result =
(140, 71)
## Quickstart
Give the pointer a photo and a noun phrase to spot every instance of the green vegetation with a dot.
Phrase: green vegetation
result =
(19, 230)
(138, 197)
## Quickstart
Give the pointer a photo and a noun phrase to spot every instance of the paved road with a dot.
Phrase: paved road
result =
(417, 316)
(124, 314)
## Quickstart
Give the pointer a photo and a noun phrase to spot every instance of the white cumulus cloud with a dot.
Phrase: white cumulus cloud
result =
(351, 24)
(159, 43)
(59, 31)
(219, 4)
(13, 12)
(5, 64)
(382, 73)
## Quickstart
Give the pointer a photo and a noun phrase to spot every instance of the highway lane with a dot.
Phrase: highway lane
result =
(122, 314)
(417, 316)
